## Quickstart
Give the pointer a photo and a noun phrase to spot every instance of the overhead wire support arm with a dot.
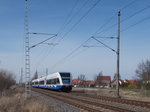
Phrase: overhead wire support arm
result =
(107, 37)
(91, 46)
(104, 44)
(42, 41)
(37, 33)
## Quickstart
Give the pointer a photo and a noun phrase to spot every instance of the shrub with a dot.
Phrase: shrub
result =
(6, 80)
(134, 85)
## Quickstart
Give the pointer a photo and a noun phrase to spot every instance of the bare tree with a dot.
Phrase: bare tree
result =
(143, 71)
(82, 80)
(7, 79)
(98, 79)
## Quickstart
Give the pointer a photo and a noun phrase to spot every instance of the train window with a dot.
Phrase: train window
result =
(42, 82)
(53, 81)
(66, 80)
(48, 81)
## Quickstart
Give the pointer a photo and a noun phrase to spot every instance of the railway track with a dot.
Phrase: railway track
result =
(90, 103)
(117, 100)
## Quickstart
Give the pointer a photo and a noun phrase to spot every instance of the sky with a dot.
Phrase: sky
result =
(75, 22)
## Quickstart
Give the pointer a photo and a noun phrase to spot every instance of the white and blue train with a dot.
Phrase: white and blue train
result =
(57, 81)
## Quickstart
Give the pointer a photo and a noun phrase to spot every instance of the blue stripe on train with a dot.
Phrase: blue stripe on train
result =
(56, 87)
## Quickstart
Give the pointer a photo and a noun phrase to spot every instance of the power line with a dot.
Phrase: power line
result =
(63, 59)
(98, 30)
(88, 11)
(141, 10)
(136, 13)
(136, 24)
(69, 20)
(130, 3)
(110, 19)
(95, 4)
(66, 23)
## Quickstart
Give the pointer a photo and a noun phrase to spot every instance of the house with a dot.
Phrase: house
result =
(114, 82)
(131, 81)
(86, 83)
(103, 81)
(89, 83)
(124, 83)
(76, 82)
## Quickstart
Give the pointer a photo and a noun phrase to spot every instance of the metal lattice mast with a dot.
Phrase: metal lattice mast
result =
(27, 53)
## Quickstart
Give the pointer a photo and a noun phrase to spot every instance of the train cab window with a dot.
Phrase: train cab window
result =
(65, 74)
(65, 78)
(66, 81)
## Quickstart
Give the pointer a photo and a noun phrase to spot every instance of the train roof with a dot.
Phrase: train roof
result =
(56, 74)
(35, 80)
(53, 75)
(42, 78)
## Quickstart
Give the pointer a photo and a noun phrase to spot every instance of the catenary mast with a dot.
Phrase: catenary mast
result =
(27, 53)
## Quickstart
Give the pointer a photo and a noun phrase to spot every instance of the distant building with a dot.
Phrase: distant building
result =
(130, 81)
(121, 82)
(114, 82)
(103, 81)
(86, 83)
(89, 83)
(76, 82)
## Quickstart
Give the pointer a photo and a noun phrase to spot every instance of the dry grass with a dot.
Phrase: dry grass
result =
(17, 103)
(127, 94)
(11, 103)
(35, 107)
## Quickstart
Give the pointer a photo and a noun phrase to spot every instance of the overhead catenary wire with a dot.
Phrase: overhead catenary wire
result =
(70, 54)
(140, 21)
(67, 21)
(95, 33)
(85, 14)
(68, 18)
(129, 17)
(110, 19)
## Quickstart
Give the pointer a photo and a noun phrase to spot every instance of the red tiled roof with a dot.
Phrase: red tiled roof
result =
(75, 81)
(108, 78)
(90, 82)
(131, 81)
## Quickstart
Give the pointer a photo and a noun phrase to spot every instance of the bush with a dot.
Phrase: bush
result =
(6, 80)
(133, 85)
(124, 85)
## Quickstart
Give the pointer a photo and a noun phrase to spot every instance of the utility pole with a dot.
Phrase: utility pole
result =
(117, 51)
(27, 53)
(118, 56)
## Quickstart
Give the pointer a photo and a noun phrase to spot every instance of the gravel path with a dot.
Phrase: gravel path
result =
(52, 104)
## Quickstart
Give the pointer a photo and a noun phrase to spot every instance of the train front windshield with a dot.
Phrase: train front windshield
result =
(65, 78)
